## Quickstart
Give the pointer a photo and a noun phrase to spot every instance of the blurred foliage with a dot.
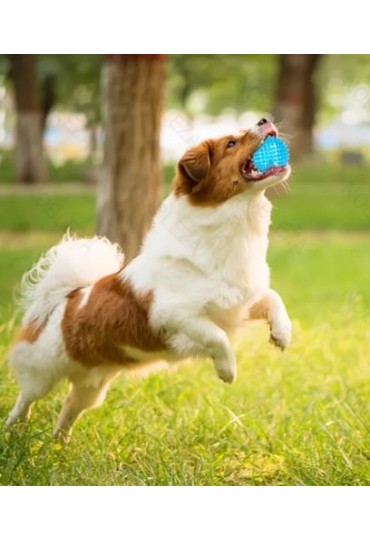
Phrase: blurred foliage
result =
(4, 64)
(211, 84)
(214, 83)
(218, 82)
(343, 80)
(77, 82)
(196, 83)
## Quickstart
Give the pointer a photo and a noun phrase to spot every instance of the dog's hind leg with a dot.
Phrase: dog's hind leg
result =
(22, 408)
(84, 394)
(34, 381)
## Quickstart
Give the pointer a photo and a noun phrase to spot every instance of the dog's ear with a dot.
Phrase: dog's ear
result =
(195, 163)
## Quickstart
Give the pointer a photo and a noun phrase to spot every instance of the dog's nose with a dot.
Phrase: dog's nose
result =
(263, 121)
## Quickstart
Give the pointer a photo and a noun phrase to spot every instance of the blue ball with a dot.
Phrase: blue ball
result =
(273, 152)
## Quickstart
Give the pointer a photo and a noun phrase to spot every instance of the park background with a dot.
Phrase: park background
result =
(297, 418)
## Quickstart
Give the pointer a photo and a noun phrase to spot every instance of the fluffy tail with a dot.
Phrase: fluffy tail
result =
(73, 263)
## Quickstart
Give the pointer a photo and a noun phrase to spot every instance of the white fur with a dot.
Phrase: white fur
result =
(194, 257)
(205, 266)
(71, 264)
(38, 366)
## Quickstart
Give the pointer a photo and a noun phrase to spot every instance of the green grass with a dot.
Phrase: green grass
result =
(45, 212)
(325, 197)
(298, 418)
(70, 171)
(73, 170)
(319, 198)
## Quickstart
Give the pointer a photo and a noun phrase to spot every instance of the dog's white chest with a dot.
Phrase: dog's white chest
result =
(240, 286)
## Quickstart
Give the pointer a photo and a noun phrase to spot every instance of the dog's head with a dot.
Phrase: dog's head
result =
(217, 169)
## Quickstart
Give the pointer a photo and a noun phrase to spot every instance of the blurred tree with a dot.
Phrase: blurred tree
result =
(48, 96)
(30, 161)
(72, 83)
(76, 82)
(344, 82)
(213, 83)
(296, 102)
(128, 189)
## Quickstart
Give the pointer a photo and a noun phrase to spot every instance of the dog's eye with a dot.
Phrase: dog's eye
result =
(230, 144)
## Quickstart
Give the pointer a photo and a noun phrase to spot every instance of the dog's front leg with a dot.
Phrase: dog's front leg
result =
(272, 308)
(201, 337)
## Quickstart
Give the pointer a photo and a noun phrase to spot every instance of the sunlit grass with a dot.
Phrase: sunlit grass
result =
(298, 418)
(319, 197)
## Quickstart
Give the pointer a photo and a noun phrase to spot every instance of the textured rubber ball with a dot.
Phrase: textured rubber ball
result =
(273, 152)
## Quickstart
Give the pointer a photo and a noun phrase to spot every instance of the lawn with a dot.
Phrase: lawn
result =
(73, 170)
(318, 198)
(299, 418)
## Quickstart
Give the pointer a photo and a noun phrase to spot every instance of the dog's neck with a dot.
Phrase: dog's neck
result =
(225, 244)
(181, 230)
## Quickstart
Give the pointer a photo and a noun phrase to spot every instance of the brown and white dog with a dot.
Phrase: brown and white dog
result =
(200, 273)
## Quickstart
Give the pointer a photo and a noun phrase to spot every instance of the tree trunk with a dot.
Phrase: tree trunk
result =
(49, 97)
(128, 188)
(30, 161)
(295, 105)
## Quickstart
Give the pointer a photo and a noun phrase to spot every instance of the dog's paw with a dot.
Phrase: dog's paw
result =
(226, 367)
(281, 333)
(61, 436)
(227, 373)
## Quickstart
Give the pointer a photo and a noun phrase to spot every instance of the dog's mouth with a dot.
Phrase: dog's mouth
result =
(249, 171)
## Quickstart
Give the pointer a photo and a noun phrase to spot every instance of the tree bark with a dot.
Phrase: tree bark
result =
(49, 97)
(29, 152)
(296, 103)
(128, 188)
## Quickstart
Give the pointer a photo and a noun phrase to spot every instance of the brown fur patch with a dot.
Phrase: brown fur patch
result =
(30, 332)
(114, 316)
(259, 310)
(209, 174)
